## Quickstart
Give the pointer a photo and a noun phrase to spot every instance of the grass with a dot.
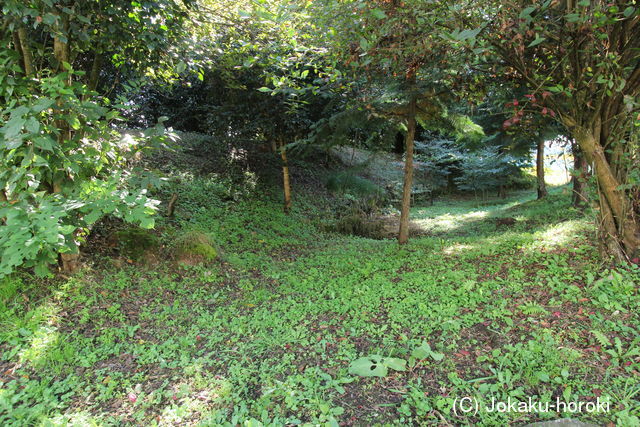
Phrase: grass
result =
(266, 333)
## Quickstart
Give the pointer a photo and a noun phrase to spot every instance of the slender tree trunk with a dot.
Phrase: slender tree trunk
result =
(579, 178)
(171, 207)
(94, 76)
(542, 186)
(3, 198)
(619, 229)
(502, 191)
(403, 235)
(61, 50)
(286, 184)
(18, 48)
(27, 58)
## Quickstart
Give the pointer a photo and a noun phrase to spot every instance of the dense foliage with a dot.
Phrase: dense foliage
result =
(236, 173)
(62, 161)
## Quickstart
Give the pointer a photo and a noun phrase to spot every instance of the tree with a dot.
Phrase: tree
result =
(395, 45)
(485, 169)
(536, 128)
(60, 157)
(581, 63)
(541, 184)
(579, 177)
(271, 52)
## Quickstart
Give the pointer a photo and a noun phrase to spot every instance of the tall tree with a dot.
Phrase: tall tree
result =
(396, 46)
(269, 49)
(581, 63)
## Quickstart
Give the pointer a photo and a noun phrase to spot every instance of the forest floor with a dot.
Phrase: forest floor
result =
(265, 334)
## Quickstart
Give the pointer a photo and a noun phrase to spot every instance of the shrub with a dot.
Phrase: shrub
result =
(347, 182)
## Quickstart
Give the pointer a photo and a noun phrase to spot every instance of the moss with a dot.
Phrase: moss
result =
(134, 242)
(195, 246)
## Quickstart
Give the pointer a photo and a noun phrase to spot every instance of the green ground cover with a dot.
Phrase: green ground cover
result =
(266, 333)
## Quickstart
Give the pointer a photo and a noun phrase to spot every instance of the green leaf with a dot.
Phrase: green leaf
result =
(573, 17)
(542, 376)
(93, 216)
(74, 123)
(422, 352)
(437, 356)
(32, 125)
(265, 89)
(395, 363)
(41, 269)
(68, 229)
(371, 366)
(13, 127)
(180, 67)
(42, 104)
(147, 222)
(252, 422)
(468, 34)
(537, 41)
(526, 12)
(379, 14)
(43, 142)
(629, 11)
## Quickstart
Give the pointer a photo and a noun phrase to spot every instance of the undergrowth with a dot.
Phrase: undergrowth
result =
(266, 333)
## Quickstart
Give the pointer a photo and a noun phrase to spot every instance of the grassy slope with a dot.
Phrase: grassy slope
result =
(268, 332)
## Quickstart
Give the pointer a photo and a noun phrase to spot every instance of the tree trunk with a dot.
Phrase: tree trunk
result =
(27, 58)
(171, 207)
(398, 145)
(285, 177)
(95, 71)
(579, 178)
(403, 235)
(61, 50)
(542, 186)
(619, 229)
(502, 191)
(16, 45)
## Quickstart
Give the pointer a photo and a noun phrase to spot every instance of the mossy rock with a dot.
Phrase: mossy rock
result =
(195, 247)
(134, 242)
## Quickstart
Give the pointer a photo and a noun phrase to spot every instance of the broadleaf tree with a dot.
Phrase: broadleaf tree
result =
(580, 61)
(59, 153)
